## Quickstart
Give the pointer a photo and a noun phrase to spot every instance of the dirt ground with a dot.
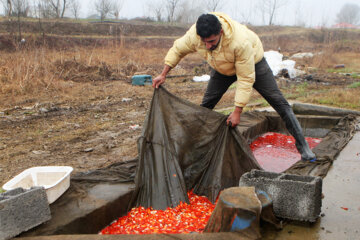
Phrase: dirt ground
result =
(85, 135)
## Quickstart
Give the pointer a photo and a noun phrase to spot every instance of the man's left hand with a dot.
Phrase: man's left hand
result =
(234, 118)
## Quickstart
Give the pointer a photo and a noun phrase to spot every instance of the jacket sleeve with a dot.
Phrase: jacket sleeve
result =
(181, 47)
(245, 72)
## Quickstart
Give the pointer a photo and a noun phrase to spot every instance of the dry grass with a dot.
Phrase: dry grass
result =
(40, 74)
(329, 58)
(350, 59)
(337, 97)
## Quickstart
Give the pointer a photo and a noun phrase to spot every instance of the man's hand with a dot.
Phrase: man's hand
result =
(234, 118)
(161, 78)
(158, 81)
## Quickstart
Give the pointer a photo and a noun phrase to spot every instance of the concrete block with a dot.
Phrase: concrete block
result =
(294, 197)
(21, 210)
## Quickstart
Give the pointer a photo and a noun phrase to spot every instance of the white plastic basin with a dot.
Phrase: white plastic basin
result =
(55, 180)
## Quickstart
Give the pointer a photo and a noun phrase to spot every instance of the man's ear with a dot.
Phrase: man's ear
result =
(221, 31)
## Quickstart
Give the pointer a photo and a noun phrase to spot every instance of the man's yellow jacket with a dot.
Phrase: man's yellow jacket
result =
(237, 53)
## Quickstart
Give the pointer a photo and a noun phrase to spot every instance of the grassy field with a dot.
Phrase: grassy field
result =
(40, 73)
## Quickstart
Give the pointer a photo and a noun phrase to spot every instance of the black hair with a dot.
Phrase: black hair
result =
(207, 25)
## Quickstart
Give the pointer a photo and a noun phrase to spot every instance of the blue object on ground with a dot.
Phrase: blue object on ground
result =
(141, 80)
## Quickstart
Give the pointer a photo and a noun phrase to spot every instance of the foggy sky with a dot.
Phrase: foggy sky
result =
(310, 12)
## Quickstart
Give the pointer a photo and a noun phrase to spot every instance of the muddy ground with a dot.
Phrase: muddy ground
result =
(93, 131)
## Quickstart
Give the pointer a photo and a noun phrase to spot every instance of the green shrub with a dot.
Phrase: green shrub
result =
(354, 85)
(355, 75)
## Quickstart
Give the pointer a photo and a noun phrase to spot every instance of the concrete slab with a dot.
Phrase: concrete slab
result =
(21, 210)
(340, 206)
(294, 197)
(84, 209)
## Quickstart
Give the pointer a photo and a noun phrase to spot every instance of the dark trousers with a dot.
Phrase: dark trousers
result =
(265, 84)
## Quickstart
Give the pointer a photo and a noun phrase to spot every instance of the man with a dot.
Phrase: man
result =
(236, 54)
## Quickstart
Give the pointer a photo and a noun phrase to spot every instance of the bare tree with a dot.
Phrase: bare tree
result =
(242, 14)
(158, 10)
(213, 5)
(171, 7)
(7, 4)
(75, 8)
(189, 11)
(155, 9)
(103, 7)
(117, 6)
(39, 13)
(18, 9)
(21, 8)
(269, 8)
(54, 8)
(349, 13)
(42, 9)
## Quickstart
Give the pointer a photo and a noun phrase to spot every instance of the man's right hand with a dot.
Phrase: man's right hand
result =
(161, 78)
(158, 81)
